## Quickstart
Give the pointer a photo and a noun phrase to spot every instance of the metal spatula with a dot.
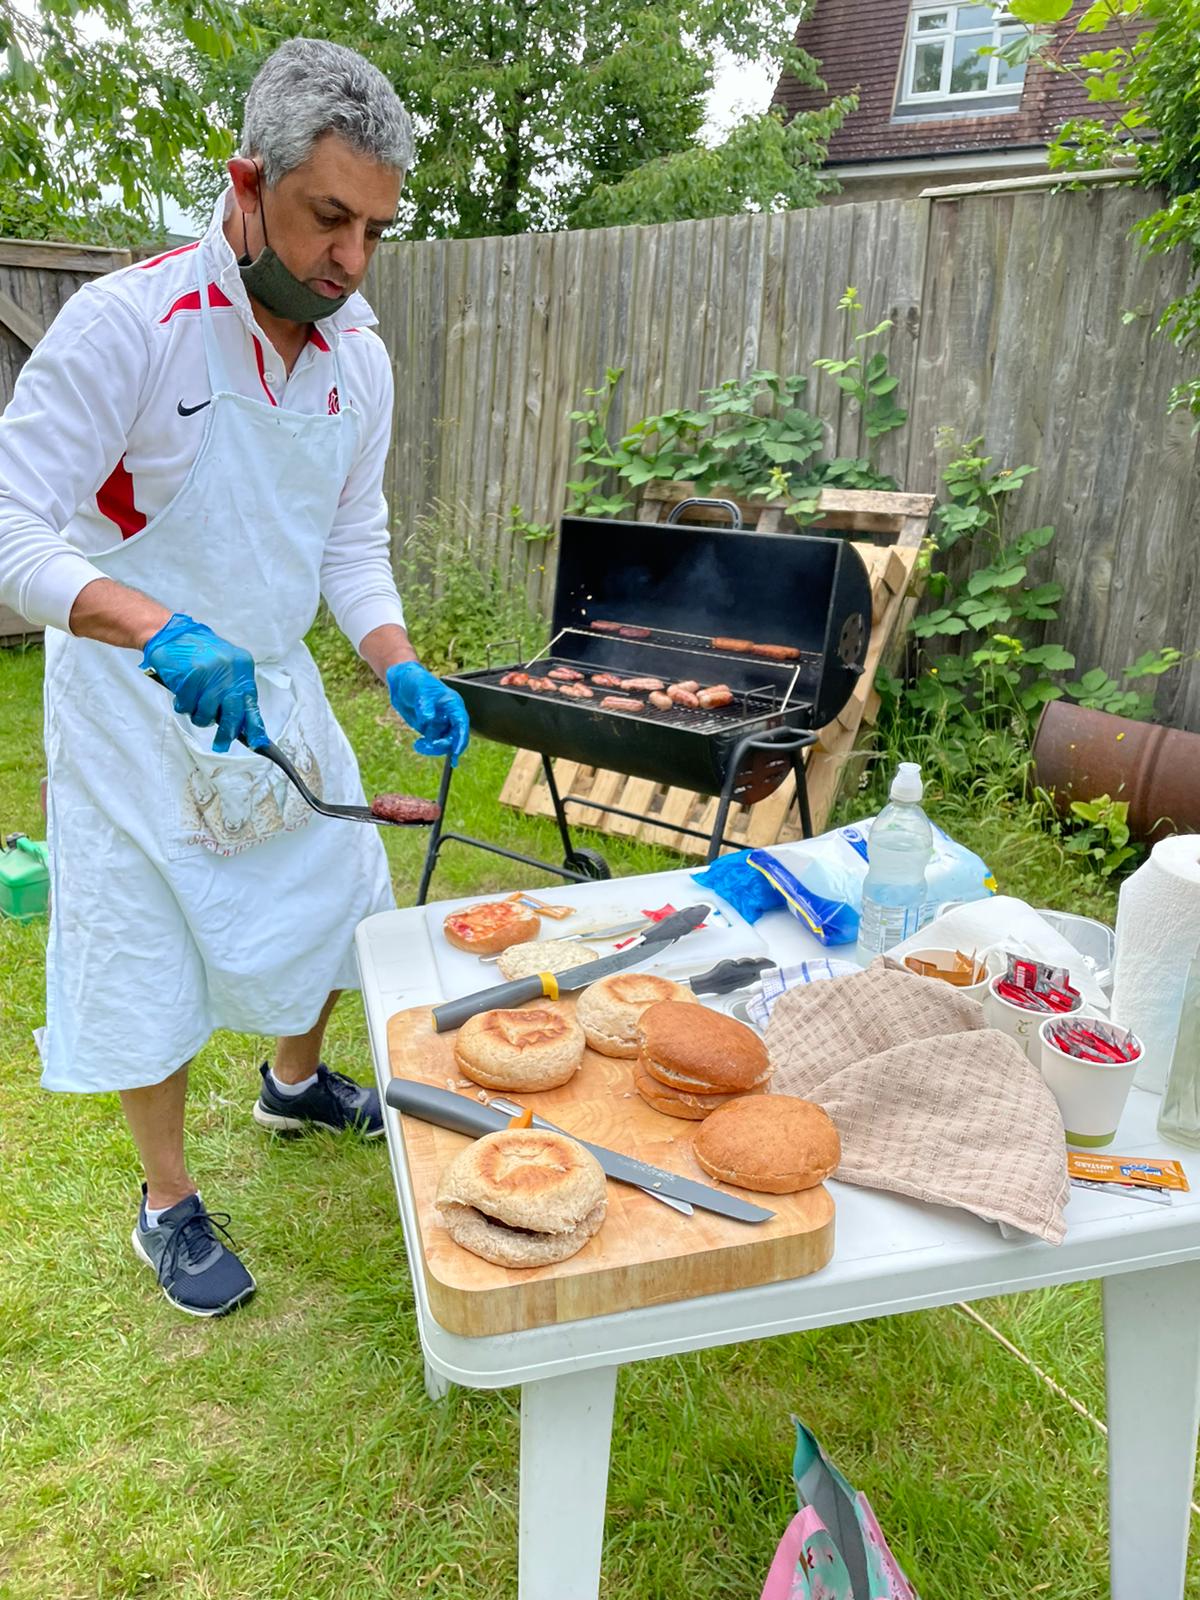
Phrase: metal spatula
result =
(347, 813)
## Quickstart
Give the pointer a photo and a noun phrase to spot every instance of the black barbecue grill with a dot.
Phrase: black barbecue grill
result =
(676, 589)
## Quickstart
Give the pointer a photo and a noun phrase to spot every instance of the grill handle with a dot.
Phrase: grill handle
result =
(735, 515)
(507, 646)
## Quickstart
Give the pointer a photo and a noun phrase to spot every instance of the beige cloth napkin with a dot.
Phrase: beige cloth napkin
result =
(927, 1100)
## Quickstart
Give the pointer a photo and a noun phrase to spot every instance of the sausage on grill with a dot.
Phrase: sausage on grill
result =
(606, 680)
(576, 691)
(514, 680)
(565, 675)
(741, 647)
(605, 627)
(404, 808)
(628, 632)
(619, 702)
(643, 684)
(775, 652)
(661, 702)
(683, 697)
(718, 695)
(543, 685)
(688, 683)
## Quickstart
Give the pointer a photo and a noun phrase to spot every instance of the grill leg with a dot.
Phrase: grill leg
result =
(718, 832)
(435, 834)
(560, 815)
(806, 827)
(777, 739)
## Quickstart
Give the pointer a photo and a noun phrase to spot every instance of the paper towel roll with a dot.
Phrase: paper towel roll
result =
(1158, 933)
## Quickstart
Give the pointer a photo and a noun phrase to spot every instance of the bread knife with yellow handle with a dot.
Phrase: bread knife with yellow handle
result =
(548, 985)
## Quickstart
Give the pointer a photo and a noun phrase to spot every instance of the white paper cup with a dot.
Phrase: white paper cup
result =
(991, 965)
(1018, 1023)
(1091, 1095)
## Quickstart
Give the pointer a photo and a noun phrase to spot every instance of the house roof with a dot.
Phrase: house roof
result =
(859, 45)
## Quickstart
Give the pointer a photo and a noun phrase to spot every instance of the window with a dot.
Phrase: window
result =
(943, 60)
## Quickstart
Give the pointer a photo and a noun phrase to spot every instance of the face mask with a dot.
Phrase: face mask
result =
(280, 291)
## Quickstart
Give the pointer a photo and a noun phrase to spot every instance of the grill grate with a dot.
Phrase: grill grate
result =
(694, 644)
(753, 705)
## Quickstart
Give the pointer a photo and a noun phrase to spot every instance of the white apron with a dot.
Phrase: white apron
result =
(191, 890)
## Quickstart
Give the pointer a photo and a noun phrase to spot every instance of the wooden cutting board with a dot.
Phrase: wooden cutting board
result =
(645, 1254)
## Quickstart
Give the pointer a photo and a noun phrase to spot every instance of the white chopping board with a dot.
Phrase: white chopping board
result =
(725, 935)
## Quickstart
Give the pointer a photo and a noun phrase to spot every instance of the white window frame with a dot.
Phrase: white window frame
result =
(946, 36)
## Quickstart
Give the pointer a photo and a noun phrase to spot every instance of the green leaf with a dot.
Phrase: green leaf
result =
(1098, 16)
(1096, 679)
(1038, 13)
(1051, 656)
(994, 578)
(1105, 88)
(876, 368)
(1040, 694)
(1154, 663)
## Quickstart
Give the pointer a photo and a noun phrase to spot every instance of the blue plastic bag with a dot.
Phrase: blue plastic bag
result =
(820, 880)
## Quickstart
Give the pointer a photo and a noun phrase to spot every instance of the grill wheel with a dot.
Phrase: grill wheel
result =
(589, 862)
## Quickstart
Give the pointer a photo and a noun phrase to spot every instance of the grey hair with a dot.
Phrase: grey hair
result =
(310, 87)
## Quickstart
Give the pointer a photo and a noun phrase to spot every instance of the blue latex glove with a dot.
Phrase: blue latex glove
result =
(211, 679)
(431, 709)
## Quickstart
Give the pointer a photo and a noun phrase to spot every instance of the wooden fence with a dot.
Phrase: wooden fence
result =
(1008, 315)
(36, 281)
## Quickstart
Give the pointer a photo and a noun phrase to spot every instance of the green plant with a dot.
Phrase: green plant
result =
(751, 436)
(95, 122)
(865, 378)
(1103, 838)
(1005, 677)
(1142, 63)
(458, 601)
(520, 527)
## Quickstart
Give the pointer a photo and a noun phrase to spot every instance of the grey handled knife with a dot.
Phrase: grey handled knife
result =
(453, 1013)
(461, 1115)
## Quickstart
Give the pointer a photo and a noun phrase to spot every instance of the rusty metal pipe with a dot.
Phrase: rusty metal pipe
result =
(1080, 754)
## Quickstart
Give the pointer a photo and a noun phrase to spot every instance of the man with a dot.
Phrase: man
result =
(192, 457)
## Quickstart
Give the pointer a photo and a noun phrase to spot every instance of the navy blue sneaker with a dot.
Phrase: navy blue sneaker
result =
(197, 1273)
(334, 1101)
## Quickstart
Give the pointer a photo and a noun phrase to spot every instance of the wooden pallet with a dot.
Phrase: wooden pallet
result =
(888, 529)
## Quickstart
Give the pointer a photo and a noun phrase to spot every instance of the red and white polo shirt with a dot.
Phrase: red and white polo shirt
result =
(108, 414)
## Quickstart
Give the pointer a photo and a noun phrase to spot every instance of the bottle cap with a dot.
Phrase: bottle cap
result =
(907, 785)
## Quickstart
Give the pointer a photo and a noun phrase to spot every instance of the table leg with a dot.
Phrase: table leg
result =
(1152, 1372)
(436, 1387)
(566, 1430)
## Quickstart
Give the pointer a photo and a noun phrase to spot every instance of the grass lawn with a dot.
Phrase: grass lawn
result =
(289, 1451)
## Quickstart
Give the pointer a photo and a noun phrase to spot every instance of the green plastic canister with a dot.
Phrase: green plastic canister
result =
(24, 878)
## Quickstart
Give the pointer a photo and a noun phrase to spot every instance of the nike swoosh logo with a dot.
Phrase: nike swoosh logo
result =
(186, 411)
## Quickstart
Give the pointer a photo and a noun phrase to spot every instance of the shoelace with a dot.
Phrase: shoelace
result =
(347, 1093)
(193, 1240)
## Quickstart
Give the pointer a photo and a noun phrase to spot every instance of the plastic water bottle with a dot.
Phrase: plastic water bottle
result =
(899, 848)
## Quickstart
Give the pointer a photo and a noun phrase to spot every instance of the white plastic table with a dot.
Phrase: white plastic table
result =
(891, 1255)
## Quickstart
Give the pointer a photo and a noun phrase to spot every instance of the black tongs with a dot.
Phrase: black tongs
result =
(347, 813)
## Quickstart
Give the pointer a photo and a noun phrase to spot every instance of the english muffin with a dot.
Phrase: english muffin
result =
(608, 1011)
(523, 1197)
(677, 1102)
(776, 1144)
(533, 1049)
(543, 955)
(701, 1053)
(491, 926)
